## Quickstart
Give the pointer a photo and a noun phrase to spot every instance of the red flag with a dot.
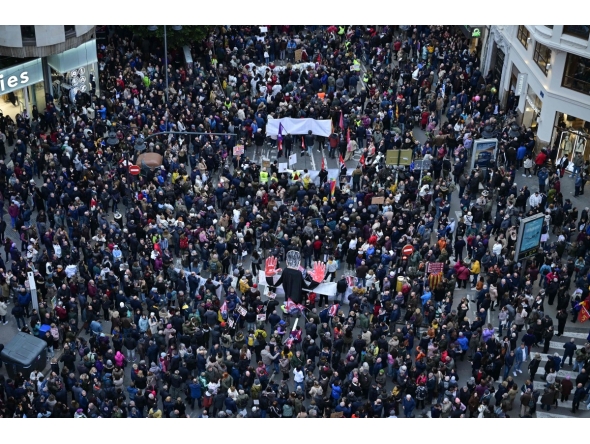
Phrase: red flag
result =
(583, 316)
(323, 163)
(341, 121)
(333, 310)
(348, 135)
(362, 160)
(341, 161)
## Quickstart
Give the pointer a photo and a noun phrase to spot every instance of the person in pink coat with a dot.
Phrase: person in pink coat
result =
(119, 359)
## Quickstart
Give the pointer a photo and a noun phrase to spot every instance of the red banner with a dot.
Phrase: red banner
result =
(583, 316)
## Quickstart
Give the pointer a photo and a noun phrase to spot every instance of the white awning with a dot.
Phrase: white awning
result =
(83, 55)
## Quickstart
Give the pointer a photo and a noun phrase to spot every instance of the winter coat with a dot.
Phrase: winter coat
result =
(566, 387)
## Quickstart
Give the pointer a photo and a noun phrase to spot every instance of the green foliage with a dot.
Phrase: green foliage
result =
(176, 39)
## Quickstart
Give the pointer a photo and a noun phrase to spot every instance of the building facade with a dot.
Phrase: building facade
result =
(41, 60)
(548, 68)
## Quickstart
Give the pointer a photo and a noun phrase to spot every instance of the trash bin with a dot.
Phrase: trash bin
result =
(24, 353)
(42, 330)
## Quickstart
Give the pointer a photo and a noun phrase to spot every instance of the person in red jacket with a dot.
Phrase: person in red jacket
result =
(540, 160)
(317, 248)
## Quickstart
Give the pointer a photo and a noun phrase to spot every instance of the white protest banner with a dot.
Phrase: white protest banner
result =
(299, 126)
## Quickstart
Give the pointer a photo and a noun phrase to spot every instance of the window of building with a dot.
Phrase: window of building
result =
(523, 35)
(28, 35)
(580, 31)
(576, 74)
(70, 31)
(542, 57)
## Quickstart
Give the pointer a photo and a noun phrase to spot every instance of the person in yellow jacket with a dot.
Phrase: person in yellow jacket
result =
(475, 270)
(243, 284)
(263, 176)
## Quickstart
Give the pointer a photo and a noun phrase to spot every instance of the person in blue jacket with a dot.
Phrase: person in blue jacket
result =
(195, 393)
(409, 405)
(464, 343)
(336, 392)
(24, 299)
(542, 175)
(508, 363)
(520, 155)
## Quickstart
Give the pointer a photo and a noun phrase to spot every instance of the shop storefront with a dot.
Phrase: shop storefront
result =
(21, 87)
(571, 135)
(532, 109)
(74, 71)
(474, 35)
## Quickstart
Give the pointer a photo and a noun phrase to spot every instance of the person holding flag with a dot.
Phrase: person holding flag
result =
(583, 314)
(333, 310)
(323, 174)
(280, 141)
(343, 169)
(332, 187)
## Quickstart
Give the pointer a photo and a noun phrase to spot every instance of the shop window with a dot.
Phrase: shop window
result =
(576, 74)
(542, 57)
(580, 31)
(28, 35)
(70, 31)
(523, 35)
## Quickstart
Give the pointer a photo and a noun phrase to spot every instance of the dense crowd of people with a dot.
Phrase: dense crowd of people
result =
(149, 284)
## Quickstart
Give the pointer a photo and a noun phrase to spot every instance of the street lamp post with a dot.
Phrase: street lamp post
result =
(174, 28)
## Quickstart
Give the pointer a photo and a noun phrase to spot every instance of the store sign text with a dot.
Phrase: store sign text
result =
(13, 81)
(18, 76)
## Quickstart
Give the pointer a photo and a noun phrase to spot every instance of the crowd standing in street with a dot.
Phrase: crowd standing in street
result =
(149, 284)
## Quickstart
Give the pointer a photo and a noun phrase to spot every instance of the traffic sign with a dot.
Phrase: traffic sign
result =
(134, 170)
(407, 250)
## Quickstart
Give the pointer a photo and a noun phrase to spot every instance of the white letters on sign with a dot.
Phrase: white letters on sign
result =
(12, 81)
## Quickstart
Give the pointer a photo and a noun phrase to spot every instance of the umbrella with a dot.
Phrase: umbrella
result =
(149, 160)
